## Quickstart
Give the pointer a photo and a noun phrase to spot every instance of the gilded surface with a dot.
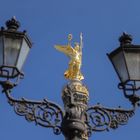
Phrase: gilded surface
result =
(75, 54)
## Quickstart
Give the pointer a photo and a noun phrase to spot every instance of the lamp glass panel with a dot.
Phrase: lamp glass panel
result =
(23, 54)
(118, 61)
(133, 64)
(1, 51)
(137, 84)
(12, 48)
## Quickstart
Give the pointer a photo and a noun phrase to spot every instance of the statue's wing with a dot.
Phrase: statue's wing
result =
(67, 49)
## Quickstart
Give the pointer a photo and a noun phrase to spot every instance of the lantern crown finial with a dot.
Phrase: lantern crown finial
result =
(12, 24)
(125, 39)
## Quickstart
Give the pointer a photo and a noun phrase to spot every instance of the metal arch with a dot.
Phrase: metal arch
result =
(100, 118)
(44, 113)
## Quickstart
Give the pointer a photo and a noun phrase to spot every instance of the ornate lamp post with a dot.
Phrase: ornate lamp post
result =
(77, 121)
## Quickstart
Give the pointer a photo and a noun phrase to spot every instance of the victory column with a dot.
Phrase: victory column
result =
(75, 94)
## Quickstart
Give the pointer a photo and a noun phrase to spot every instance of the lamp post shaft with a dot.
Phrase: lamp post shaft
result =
(75, 98)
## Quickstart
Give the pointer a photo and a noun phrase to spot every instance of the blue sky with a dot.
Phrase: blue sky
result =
(48, 22)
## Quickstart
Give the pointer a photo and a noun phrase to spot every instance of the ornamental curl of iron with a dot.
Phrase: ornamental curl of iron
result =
(43, 113)
(101, 118)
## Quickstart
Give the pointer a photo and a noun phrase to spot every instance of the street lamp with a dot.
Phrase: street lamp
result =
(14, 48)
(126, 62)
(77, 121)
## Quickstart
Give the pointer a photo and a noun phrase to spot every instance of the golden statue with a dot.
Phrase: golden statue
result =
(75, 55)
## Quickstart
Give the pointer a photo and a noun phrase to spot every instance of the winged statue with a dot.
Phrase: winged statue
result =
(75, 54)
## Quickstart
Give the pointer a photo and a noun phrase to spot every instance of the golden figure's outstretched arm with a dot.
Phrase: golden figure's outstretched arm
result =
(81, 42)
(81, 45)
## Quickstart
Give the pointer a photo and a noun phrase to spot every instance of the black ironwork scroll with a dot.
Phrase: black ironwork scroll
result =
(43, 113)
(101, 118)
